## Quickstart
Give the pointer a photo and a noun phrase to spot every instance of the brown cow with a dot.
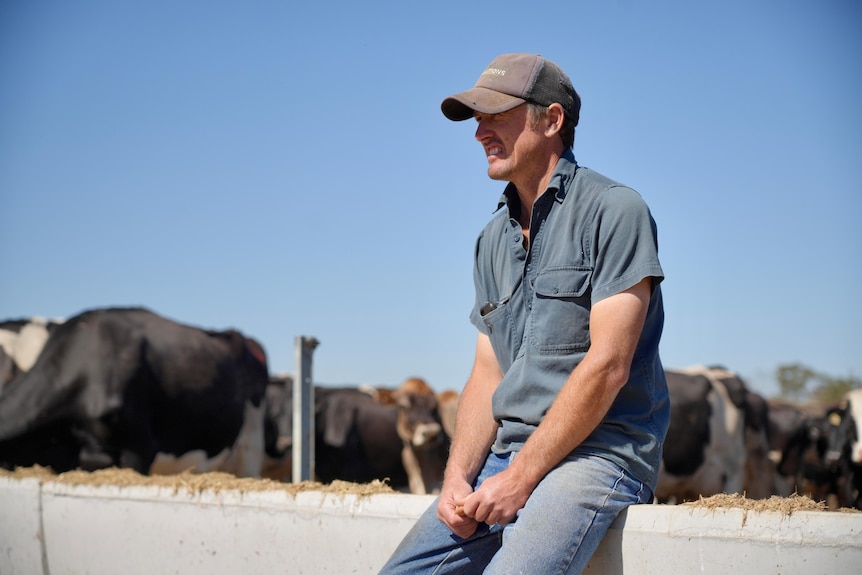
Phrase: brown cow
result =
(424, 444)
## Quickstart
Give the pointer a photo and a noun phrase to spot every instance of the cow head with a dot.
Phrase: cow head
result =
(815, 457)
(250, 363)
(418, 423)
(278, 429)
(839, 436)
(279, 416)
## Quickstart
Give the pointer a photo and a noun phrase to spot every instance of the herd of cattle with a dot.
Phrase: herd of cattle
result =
(129, 388)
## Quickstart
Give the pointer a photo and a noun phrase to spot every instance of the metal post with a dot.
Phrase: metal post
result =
(303, 411)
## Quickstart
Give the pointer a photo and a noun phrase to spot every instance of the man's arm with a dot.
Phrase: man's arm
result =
(475, 430)
(615, 328)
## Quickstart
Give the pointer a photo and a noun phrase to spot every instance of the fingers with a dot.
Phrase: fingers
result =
(456, 520)
(482, 509)
(466, 530)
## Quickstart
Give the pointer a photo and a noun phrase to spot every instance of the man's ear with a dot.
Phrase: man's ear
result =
(554, 120)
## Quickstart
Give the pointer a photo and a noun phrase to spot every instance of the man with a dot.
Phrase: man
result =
(562, 419)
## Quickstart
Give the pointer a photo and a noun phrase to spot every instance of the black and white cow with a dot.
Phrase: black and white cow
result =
(761, 478)
(832, 463)
(717, 440)
(853, 414)
(21, 342)
(119, 386)
(816, 458)
(786, 422)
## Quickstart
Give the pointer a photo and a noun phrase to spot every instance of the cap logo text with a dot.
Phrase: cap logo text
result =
(494, 72)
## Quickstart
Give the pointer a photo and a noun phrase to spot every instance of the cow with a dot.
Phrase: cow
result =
(8, 368)
(833, 463)
(361, 433)
(118, 386)
(356, 438)
(786, 420)
(365, 433)
(424, 443)
(717, 439)
(761, 478)
(853, 431)
(815, 459)
(21, 342)
(853, 401)
(278, 429)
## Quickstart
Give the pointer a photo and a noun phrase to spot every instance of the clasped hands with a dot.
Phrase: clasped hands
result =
(496, 501)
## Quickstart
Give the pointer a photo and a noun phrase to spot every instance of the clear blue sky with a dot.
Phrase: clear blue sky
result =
(286, 170)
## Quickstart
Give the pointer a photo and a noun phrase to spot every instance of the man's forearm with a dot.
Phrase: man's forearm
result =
(475, 427)
(615, 327)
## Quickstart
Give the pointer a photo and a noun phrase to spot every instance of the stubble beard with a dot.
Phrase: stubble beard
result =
(500, 170)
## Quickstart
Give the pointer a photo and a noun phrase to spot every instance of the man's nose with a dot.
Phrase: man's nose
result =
(482, 132)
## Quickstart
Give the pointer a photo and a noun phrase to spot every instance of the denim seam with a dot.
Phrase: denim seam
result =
(577, 547)
(442, 563)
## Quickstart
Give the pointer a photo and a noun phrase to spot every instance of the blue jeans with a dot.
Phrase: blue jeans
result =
(556, 532)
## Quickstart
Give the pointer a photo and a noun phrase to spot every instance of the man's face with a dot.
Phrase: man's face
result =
(509, 141)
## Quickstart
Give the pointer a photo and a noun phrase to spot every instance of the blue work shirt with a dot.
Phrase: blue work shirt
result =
(590, 238)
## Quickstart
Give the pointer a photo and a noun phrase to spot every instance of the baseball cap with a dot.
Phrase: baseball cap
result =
(509, 81)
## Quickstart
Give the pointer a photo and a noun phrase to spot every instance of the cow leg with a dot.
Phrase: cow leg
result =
(414, 470)
(433, 464)
(246, 457)
(195, 461)
(133, 460)
(139, 448)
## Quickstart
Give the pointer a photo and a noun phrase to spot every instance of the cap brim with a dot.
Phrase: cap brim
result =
(462, 106)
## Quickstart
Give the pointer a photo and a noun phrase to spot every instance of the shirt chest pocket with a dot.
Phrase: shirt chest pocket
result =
(560, 314)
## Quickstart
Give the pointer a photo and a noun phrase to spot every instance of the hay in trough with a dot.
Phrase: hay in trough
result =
(785, 505)
(194, 482)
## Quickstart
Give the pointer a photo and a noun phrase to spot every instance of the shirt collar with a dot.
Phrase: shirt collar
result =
(564, 173)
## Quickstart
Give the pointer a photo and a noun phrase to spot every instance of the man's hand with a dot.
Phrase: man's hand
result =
(497, 500)
(475, 432)
(452, 514)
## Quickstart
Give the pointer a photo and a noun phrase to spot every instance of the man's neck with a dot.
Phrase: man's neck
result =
(531, 187)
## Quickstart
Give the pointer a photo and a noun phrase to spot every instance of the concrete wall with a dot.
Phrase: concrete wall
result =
(55, 529)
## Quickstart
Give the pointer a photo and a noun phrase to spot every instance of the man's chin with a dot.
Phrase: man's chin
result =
(497, 173)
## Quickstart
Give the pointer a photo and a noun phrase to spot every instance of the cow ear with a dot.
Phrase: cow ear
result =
(255, 349)
(339, 416)
(791, 457)
(385, 397)
(234, 340)
(404, 401)
(789, 464)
